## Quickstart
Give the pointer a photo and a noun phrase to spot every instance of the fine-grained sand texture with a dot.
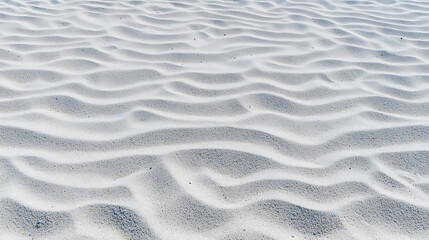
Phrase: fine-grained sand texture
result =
(173, 120)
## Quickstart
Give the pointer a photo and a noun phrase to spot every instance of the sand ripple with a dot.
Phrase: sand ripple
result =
(214, 119)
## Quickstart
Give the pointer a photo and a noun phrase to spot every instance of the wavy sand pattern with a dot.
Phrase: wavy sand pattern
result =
(214, 119)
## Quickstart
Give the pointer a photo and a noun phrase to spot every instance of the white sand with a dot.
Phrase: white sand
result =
(223, 119)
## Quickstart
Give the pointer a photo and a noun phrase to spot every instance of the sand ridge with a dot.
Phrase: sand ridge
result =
(214, 119)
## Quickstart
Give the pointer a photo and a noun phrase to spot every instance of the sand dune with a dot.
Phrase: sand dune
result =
(214, 119)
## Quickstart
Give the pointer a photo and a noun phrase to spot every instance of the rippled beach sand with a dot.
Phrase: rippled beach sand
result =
(123, 120)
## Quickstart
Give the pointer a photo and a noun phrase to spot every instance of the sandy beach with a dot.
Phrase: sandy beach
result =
(201, 120)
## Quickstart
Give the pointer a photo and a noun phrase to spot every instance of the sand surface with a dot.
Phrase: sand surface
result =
(223, 119)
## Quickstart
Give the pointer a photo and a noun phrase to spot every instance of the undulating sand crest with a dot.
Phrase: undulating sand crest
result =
(238, 119)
